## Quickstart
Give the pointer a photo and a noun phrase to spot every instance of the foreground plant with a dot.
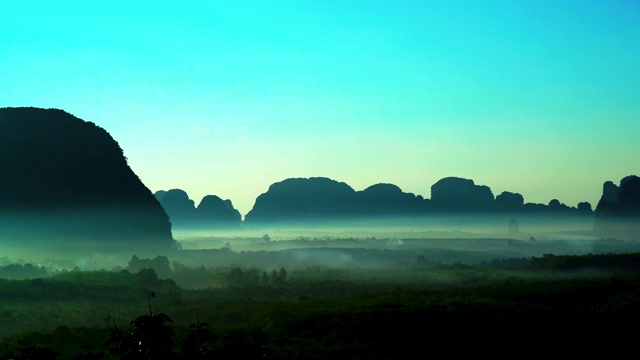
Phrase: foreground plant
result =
(151, 338)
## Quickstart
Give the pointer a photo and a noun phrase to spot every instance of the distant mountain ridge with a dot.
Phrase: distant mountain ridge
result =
(321, 198)
(325, 199)
(66, 178)
(211, 213)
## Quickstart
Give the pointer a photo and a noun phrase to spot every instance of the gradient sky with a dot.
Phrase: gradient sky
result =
(536, 97)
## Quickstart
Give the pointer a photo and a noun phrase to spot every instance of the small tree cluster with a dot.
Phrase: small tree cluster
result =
(253, 277)
(153, 338)
(29, 352)
(22, 271)
(160, 264)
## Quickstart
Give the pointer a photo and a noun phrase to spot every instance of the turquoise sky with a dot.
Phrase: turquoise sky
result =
(226, 98)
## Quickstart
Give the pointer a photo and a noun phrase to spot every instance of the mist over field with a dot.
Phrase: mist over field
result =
(374, 243)
(466, 239)
(319, 222)
(73, 276)
(487, 236)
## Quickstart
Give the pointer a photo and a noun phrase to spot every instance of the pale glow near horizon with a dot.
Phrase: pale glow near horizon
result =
(534, 97)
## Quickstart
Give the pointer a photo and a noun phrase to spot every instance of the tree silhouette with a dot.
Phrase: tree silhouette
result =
(198, 344)
(151, 338)
(31, 352)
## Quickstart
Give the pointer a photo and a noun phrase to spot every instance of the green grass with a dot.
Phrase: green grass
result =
(321, 313)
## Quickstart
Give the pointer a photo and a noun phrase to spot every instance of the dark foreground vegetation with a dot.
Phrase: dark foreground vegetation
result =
(574, 304)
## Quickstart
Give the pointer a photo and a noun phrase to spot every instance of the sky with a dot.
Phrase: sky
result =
(226, 98)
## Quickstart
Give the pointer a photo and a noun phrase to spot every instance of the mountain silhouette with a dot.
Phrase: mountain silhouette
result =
(509, 202)
(67, 179)
(453, 194)
(323, 199)
(618, 211)
(177, 204)
(212, 213)
(303, 199)
(389, 200)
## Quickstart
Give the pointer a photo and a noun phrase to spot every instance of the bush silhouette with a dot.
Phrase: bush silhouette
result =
(151, 338)
(31, 352)
(198, 344)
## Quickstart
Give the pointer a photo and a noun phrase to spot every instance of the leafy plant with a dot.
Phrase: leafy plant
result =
(151, 338)
(199, 342)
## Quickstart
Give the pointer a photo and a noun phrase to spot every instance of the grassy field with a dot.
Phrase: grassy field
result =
(265, 309)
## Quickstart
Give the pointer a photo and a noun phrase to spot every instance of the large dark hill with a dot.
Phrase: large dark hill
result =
(64, 178)
(303, 199)
(453, 194)
(618, 211)
(390, 200)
